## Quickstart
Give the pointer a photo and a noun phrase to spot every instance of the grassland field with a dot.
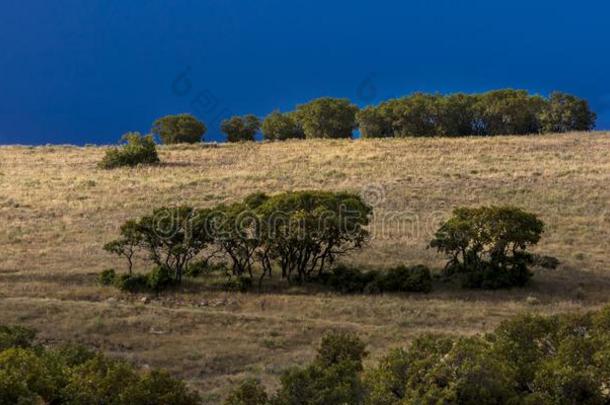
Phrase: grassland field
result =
(57, 209)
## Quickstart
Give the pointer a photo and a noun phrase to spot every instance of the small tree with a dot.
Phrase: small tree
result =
(279, 126)
(136, 150)
(305, 231)
(128, 244)
(171, 237)
(327, 118)
(239, 129)
(488, 245)
(564, 113)
(181, 128)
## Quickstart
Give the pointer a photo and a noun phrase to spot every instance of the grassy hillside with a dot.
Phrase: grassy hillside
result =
(57, 209)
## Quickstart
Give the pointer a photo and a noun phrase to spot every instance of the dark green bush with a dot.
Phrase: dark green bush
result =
(241, 283)
(407, 279)
(249, 392)
(240, 129)
(137, 150)
(348, 280)
(107, 277)
(160, 278)
(133, 283)
(181, 128)
(487, 246)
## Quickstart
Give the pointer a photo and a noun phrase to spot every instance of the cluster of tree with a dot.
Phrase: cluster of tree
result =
(530, 359)
(300, 233)
(72, 374)
(501, 112)
(136, 150)
(487, 246)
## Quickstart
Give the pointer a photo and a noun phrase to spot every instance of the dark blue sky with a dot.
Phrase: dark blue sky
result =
(86, 71)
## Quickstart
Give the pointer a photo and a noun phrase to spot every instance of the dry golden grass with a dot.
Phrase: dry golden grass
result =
(57, 209)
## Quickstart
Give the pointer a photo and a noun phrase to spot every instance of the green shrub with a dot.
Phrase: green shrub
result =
(16, 337)
(133, 283)
(327, 118)
(72, 374)
(333, 377)
(279, 127)
(407, 279)
(160, 278)
(138, 150)
(348, 280)
(27, 377)
(249, 392)
(107, 277)
(240, 129)
(181, 128)
(487, 246)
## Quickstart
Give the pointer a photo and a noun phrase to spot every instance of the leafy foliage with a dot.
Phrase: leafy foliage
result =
(240, 129)
(279, 127)
(565, 112)
(304, 232)
(180, 128)
(74, 375)
(487, 246)
(499, 112)
(137, 150)
(327, 118)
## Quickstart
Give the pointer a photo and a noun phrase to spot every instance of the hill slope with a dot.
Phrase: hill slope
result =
(58, 209)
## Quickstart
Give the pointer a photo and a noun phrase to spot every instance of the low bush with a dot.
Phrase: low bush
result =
(249, 392)
(349, 280)
(137, 150)
(74, 375)
(107, 277)
(407, 279)
(241, 283)
(132, 283)
(160, 278)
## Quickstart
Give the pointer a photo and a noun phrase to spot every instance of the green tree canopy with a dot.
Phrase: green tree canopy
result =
(327, 118)
(180, 128)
